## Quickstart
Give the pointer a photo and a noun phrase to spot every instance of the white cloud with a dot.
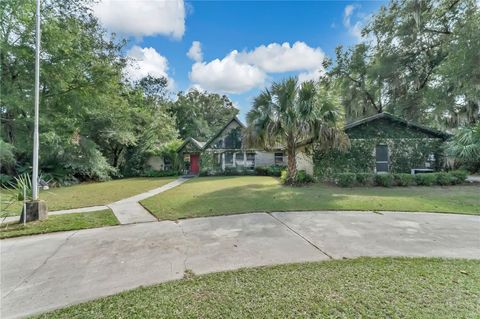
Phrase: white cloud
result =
(195, 52)
(355, 29)
(146, 61)
(277, 58)
(240, 72)
(311, 75)
(227, 75)
(143, 17)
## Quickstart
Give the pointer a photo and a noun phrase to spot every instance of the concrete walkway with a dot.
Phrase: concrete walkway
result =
(45, 272)
(127, 211)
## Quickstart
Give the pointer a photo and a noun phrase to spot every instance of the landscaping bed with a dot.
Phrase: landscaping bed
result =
(58, 223)
(209, 196)
(364, 287)
(401, 179)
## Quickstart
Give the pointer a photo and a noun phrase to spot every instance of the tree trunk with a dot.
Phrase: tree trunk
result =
(292, 163)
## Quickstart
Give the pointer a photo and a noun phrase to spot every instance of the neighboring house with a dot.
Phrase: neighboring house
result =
(384, 143)
(226, 150)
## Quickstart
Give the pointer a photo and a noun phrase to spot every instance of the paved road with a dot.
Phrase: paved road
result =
(44, 272)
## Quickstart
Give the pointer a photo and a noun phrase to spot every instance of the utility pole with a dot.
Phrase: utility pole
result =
(37, 102)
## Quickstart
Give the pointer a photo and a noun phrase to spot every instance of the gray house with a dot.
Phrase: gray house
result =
(226, 150)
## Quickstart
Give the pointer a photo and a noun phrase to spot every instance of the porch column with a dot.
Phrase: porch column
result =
(244, 159)
(223, 161)
(234, 159)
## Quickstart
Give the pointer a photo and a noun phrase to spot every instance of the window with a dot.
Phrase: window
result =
(233, 140)
(381, 156)
(228, 158)
(279, 158)
(250, 160)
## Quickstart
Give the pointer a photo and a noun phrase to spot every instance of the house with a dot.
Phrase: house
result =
(227, 151)
(384, 143)
(378, 144)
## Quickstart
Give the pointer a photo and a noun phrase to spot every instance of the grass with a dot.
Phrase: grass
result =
(92, 194)
(57, 223)
(359, 288)
(208, 196)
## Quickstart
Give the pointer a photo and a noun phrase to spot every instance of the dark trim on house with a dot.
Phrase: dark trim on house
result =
(392, 117)
(199, 145)
(235, 119)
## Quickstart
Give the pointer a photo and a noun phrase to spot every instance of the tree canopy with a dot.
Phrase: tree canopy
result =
(419, 60)
(94, 122)
(201, 114)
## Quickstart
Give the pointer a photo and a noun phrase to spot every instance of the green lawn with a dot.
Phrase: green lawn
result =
(207, 196)
(91, 194)
(57, 223)
(359, 288)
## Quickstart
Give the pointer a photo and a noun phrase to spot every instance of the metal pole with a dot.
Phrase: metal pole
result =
(24, 206)
(37, 102)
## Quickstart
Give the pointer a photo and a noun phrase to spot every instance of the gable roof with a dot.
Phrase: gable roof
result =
(397, 119)
(196, 143)
(234, 119)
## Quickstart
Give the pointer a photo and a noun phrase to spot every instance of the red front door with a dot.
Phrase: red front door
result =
(194, 163)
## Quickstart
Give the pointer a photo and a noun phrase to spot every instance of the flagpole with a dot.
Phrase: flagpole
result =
(37, 102)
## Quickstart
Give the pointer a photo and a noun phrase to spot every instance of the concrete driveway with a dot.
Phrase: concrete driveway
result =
(44, 272)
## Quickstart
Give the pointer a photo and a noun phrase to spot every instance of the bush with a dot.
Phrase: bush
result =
(153, 173)
(303, 178)
(261, 171)
(385, 180)
(345, 179)
(283, 176)
(458, 176)
(232, 171)
(403, 179)
(365, 179)
(275, 170)
(426, 179)
(272, 170)
(444, 179)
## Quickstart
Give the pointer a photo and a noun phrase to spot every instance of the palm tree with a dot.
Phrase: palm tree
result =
(465, 146)
(294, 115)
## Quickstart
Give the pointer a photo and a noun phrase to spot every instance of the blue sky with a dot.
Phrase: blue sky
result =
(162, 32)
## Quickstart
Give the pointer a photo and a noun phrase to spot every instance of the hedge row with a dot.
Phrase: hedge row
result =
(389, 180)
(272, 170)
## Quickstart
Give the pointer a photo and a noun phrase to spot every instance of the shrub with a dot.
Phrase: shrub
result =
(385, 180)
(232, 171)
(283, 176)
(403, 179)
(153, 173)
(458, 176)
(272, 170)
(345, 179)
(261, 171)
(426, 179)
(275, 170)
(364, 178)
(204, 172)
(444, 179)
(303, 178)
